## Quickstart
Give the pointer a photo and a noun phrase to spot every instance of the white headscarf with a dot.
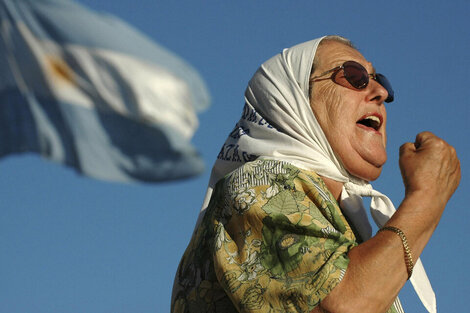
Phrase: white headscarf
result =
(278, 123)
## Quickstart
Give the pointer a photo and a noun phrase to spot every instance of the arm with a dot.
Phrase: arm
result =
(377, 270)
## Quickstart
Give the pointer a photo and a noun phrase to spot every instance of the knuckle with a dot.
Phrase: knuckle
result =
(426, 134)
(439, 143)
(453, 151)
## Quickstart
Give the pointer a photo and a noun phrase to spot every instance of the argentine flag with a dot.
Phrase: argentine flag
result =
(89, 91)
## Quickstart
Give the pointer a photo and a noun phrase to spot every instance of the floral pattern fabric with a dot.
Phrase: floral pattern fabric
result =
(273, 239)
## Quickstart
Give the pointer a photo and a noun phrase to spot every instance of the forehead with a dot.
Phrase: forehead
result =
(334, 53)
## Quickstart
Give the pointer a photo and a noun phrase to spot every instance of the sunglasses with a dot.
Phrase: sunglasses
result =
(357, 76)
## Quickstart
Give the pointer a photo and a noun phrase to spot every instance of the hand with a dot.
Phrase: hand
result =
(430, 165)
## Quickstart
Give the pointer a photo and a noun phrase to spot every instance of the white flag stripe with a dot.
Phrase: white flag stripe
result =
(135, 88)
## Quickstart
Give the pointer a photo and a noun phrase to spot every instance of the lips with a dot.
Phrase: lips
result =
(371, 121)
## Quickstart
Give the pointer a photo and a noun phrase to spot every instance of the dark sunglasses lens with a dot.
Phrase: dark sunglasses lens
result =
(386, 84)
(356, 74)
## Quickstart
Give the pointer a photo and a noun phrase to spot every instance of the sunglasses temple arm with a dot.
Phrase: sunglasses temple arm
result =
(324, 73)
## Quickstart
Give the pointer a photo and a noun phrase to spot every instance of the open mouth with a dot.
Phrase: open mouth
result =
(371, 121)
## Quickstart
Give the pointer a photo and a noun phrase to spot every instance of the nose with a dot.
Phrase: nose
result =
(376, 92)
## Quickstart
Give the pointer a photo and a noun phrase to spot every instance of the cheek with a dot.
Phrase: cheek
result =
(326, 107)
(332, 113)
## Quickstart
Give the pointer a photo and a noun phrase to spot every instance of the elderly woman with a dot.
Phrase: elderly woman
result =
(283, 228)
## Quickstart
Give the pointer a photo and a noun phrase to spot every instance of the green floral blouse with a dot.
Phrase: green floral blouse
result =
(273, 239)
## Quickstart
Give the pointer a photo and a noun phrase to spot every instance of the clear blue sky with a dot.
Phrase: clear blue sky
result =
(73, 244)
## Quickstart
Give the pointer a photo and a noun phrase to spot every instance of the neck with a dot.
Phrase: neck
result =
(335, 187)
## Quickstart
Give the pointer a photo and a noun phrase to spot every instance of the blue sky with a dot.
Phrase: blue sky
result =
(73, 244)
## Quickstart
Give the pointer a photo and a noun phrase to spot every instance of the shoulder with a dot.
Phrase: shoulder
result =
(264, 172)
(276, 174)
(274, 188)
(266, 180)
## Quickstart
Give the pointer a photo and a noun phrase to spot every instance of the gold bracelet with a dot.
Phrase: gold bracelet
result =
(408, 257)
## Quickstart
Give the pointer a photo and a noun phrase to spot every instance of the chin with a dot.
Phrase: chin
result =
(367, 172)
(373, 175)
(362, 159)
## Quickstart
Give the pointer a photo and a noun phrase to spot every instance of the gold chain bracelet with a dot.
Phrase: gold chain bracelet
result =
(408, 257)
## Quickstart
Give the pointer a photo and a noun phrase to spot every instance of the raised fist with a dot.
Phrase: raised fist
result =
(430, 165)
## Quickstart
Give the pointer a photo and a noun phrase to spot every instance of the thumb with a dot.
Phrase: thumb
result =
(422, 137)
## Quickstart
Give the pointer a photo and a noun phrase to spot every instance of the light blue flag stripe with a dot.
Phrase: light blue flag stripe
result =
(91, 92)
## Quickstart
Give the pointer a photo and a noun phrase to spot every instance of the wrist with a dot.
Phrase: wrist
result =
(426, 201)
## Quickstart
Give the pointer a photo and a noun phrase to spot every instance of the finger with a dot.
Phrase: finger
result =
(406, 148)
(423, 137)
